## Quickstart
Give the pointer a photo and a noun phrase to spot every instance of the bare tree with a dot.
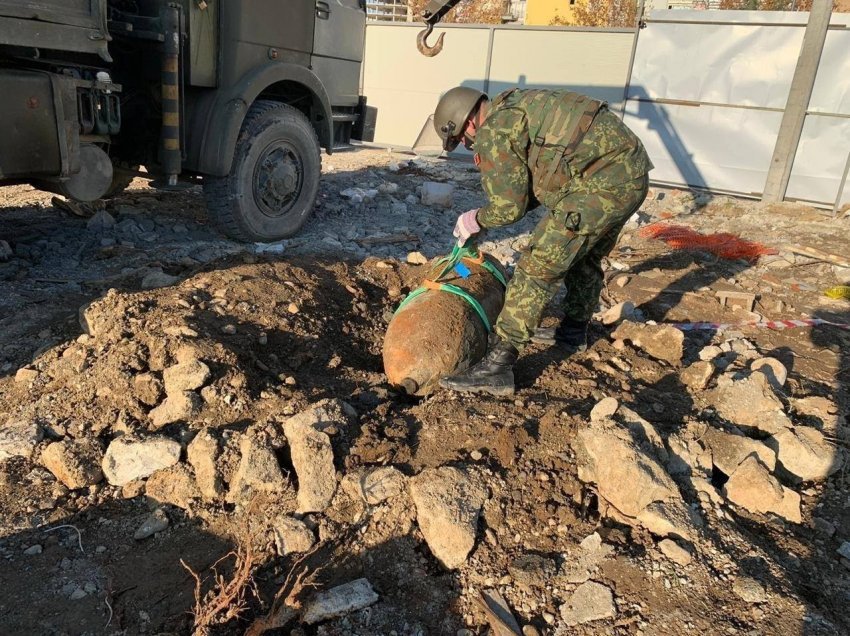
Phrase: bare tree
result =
(468, 11)
(770, 5)
(601, 13)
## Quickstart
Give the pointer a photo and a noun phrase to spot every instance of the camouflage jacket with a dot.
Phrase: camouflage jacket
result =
(517, 178)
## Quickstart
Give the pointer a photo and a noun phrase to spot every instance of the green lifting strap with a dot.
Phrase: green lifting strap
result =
(458, 253)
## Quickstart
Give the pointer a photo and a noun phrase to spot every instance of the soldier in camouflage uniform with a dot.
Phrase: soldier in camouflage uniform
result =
(567, 152)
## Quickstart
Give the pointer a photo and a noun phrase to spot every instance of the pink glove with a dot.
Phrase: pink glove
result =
(466, 226)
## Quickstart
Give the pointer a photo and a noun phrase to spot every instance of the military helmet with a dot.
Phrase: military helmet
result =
(453, 110)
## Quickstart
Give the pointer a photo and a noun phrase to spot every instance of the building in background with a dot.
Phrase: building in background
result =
(545, 12)
(512, 11)
(388, 11)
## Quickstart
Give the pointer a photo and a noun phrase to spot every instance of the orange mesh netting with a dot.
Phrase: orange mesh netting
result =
(724, 245)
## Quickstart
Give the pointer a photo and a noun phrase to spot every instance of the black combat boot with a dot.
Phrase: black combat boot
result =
(570, 334)
(493, 375)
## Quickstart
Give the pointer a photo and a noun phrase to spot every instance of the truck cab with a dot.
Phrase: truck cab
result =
(238, 96)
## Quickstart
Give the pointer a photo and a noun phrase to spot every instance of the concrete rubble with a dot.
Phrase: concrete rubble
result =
(19, 437)
(291, 535)
(157, 521)
(177, 407)
(753, 488)
(185, 376)
(750, 403)
(339, 601)
(437, 194)
(202, 454)
(749, 589)
(448, 502)
(76, 463)
(175, 486)
(204, 385)
(662, 342)
(590, 602)
(622, 461)
(728, 450)
(581, 564)
(128, 459)
(675, 552)
(258, 470)
(804, 454)
(312, 455)
(377, 486)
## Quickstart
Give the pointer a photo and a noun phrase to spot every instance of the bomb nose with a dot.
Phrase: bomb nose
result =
(409, 385)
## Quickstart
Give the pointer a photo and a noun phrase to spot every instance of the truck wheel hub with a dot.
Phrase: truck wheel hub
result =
(278, 179)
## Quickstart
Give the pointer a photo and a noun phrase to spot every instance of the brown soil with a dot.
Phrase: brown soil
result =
(308, 328)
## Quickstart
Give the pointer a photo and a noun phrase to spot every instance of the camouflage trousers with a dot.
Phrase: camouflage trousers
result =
(568, 246)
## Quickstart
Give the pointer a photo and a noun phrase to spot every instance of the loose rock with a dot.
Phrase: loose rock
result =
(202, 454)
(675, 552)
(382, 484)
(591, 601)
(18, 438)
(437, 194)
(709, 353)
(174, 486)
(804, 454)
(417, 258)
(127, 459)
(606, 407)
(156, 522)
(630, 479)
(312, 457)
(26, 375)
(100, 221)
(750, 403)
(156, 279)
(698, 375)
(772, 368)
(618, 313)
(258, 469)
(728, 450)
(147, 388)
(185, 376)
(752, 487)
(749, 590)
(339, 601)
(75, 463)
(582, 563)
(448, 502)
(177, 407)
(660, 341)
(532, 570)
(291, 535)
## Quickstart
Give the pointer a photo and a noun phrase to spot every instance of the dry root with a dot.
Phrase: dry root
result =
(285, 606)
(227, 599)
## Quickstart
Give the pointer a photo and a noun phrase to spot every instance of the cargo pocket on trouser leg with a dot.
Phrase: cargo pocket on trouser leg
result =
(554, 247)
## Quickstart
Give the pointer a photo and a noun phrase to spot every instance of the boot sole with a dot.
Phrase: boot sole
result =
(503, 391)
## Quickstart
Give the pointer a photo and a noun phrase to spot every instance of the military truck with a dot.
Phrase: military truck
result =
(236, 95)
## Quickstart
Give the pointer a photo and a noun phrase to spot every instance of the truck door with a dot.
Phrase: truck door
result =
(338, 48)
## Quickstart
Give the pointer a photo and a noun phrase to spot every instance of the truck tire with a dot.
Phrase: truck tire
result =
(274, 180)
(121, 180)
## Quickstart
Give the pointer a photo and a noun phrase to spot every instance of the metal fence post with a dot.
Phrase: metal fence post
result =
(638, 23)
(791, 128)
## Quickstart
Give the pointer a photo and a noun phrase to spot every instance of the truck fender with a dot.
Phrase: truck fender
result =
(218, 139)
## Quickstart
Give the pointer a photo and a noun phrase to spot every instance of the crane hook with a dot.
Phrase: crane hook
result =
(424, 47)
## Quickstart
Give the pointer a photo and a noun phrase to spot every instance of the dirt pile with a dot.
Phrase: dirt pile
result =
(236, 417)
